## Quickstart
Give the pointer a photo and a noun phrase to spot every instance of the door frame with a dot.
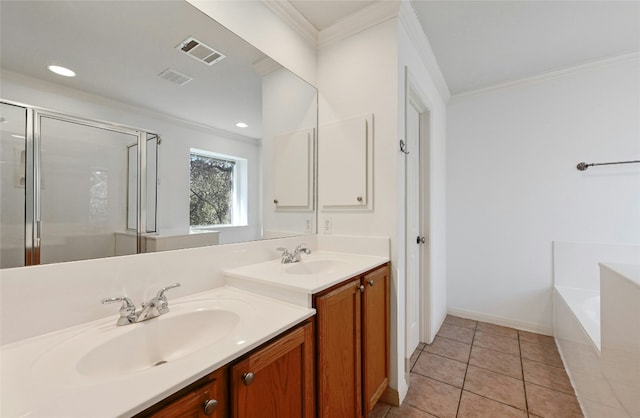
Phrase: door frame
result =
(415, 97)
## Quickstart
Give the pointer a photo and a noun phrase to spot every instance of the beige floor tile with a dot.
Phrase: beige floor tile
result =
(494, 342)
(455, 350)
(542, 353)
(548, 403)
(474, 406)
(441, 368)
(497, 330)
(434, 397)
(460, 322)
(531, 337)
(548, 376)
(496, 361)
(379, 411)
(408, 411)
(453, 332)
(495, 386)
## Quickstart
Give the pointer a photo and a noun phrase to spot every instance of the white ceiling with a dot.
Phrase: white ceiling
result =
(481, 43)
(117, 53)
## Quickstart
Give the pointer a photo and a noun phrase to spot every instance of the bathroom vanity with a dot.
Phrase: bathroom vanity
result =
(351, 342)
(231, 351)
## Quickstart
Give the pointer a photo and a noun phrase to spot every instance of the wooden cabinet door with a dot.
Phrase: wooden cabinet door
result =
(338, 345)
(375, 336)
(276, 381)
(205, 399)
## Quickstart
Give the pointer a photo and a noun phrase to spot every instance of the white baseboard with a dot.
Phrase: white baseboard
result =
(506, 322)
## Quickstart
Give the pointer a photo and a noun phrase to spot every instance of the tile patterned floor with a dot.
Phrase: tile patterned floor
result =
(476, 369)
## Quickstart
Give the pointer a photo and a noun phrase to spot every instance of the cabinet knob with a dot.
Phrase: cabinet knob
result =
(361, 288)
(247, 378)
(210, 406)
(275, 201)
(359, 198)
(370, 282)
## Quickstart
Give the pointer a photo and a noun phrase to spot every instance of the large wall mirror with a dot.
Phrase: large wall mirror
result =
(174, 132)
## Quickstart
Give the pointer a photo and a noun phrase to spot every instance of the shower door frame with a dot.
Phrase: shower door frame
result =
(33, 173)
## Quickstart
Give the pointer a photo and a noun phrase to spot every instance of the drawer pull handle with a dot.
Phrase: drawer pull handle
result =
(247, 378)
(371, 282)
(210, 406)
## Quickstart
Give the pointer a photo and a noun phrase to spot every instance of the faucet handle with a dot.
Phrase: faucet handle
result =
(160, 294)
(303, 248)
(284, 251)
(127, 310)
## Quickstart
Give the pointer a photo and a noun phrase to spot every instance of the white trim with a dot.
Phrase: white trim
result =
(409, 21)
(375, 14)
(498, 320)
(553, 74)
(294, 19)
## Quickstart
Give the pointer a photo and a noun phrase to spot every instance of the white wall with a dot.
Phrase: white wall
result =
(354, 81)
(412, 49)
(513, 187)
(177, 139)
(289, 105)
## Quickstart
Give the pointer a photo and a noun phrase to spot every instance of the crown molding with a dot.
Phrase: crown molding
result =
(294, 19)
(372, 15)
(634, 56)
(409, 21)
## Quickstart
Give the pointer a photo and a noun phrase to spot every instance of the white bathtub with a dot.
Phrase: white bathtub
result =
(584, 306)
(586, 327)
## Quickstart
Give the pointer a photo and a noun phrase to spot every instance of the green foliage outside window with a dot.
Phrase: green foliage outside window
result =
(211, 190)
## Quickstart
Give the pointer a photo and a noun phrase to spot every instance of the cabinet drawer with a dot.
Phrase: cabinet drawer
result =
(206, 399)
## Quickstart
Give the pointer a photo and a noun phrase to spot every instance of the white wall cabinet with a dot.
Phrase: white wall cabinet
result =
(293, 170)
(345, 171)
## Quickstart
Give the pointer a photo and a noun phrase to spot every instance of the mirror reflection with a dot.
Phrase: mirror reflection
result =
(173, 133)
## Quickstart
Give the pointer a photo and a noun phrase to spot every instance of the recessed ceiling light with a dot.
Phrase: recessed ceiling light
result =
(242, 125)
(62, 71)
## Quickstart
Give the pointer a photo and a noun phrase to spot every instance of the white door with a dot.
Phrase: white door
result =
(414, 235)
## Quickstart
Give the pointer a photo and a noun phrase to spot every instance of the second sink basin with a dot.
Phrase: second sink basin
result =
(153, 343)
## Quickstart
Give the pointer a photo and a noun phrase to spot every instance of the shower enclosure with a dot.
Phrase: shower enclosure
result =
(68, 185)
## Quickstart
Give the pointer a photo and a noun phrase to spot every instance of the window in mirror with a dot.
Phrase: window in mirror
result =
(217, 191)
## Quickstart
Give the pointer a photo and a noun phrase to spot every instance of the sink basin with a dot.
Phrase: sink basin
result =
(105, 351)
(314, 267)
(156, 342)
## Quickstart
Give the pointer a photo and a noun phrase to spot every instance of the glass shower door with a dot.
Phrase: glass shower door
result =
(82, 179)
(13, 160)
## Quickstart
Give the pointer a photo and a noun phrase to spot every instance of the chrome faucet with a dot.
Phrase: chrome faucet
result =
(155, 307)
(293, 257)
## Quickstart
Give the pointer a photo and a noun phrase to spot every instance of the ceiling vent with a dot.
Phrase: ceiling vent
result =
(203, 53)
(175, 77)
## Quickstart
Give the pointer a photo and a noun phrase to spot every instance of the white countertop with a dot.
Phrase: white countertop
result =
(41, 378)
(337, 268)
